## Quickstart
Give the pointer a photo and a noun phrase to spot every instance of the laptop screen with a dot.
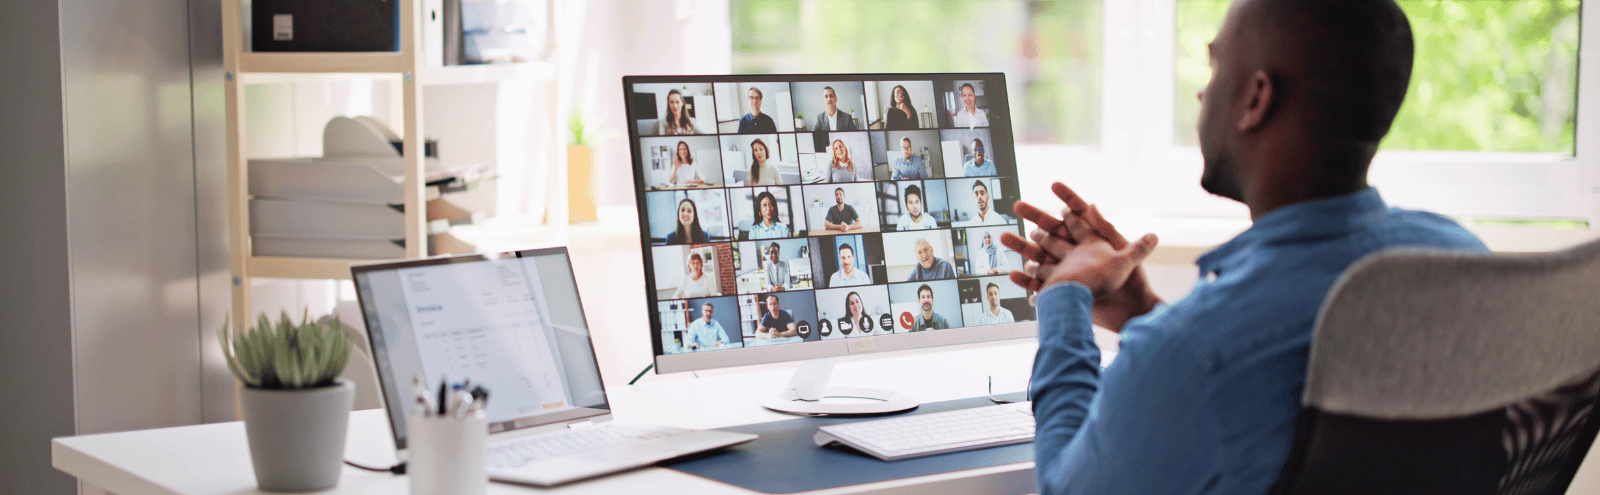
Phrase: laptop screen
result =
(511, 322)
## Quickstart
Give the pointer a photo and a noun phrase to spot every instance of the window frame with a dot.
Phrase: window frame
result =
(1138, 158)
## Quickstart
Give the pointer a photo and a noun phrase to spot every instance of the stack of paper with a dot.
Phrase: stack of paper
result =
(350, 203)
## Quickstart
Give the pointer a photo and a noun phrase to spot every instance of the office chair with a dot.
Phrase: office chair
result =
(1459, 373)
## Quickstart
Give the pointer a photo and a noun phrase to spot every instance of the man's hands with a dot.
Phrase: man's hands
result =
(1083, 247)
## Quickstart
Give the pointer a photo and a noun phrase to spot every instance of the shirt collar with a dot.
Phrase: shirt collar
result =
(1315, 218)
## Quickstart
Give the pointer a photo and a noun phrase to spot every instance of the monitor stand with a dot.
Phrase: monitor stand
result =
(808, 391)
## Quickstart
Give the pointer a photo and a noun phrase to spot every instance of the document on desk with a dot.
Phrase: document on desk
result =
(488, 323)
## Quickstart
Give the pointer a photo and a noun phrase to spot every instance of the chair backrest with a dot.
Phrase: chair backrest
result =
(1462, 373)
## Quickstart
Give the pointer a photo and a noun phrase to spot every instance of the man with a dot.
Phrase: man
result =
(927, 319)
(989, 260)
(978, 166)
(908, 166)
(706, 333)
(832, 119)
(848, 275)
(841, 217)
(985, 214)
(1205, 391)
(970, 116)
(777, 270)
(994, 314)
(756, 122)
(776, 323)
(913, 219)
(929, 267)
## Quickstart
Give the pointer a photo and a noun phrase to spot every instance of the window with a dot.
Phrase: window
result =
(1489, 75)
(1104, 93)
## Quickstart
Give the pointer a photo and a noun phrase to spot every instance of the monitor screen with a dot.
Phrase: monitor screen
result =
(790, 217)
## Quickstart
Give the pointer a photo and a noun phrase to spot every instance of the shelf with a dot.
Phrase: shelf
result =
(455, 74)
(324, 62)
(309, 268)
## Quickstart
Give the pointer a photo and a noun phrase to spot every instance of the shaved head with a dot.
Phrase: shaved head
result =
(1301, 93)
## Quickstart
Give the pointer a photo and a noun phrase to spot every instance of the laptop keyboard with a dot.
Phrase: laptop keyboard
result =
(520, 451)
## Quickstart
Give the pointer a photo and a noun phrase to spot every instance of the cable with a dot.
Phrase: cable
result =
(641, 374)
(396, 469)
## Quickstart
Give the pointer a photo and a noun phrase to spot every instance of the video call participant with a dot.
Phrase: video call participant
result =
(993, 314)
(684, 173)
(688, 230)
(676, 121)
(970, 115)
(908, 166)
(1301, 94)
(761, 172)
(756, 122)
(777, 270)
(767, 225)
(978, 166)
(929, 267)
(843, 169)
(706, 333)
(902, 115)
(841, 217)
(855, 312)
(927, 319)
(697, 283)
(775, 323)
(985, 214)
(848, 275)
(832, 119)
(989, 260)
(913, 219)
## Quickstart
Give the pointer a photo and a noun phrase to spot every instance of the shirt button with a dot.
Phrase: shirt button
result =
(1211, 277)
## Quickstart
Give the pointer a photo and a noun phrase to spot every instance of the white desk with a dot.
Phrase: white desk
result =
(214, 459)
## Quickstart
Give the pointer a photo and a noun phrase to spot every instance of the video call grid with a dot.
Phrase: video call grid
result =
(751, 304)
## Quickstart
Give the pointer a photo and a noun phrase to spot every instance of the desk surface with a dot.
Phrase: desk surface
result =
(214, 458)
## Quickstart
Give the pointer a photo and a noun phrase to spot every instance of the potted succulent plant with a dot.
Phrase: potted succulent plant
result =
(296, 408)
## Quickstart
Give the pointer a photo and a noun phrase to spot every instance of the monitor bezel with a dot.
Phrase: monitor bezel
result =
(747, 356)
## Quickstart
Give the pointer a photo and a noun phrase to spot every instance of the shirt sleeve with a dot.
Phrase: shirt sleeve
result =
(1143, 426)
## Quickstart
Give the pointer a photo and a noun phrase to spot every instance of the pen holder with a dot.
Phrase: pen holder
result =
(446, 454)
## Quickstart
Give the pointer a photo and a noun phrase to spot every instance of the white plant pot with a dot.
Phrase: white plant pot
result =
(297, 436)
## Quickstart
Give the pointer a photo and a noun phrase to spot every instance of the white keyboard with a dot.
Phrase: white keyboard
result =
(523, 450)
(905, 437)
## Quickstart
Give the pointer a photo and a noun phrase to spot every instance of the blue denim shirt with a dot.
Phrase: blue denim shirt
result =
(1203, 395)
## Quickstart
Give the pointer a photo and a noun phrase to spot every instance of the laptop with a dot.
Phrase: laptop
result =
(511, 322)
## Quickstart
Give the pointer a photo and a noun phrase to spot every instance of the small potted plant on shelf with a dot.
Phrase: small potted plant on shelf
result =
(296, 408)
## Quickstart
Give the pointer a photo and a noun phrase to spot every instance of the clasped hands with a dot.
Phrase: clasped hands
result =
(1083, 247)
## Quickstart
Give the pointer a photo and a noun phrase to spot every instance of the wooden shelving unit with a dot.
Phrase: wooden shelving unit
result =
(407, 66)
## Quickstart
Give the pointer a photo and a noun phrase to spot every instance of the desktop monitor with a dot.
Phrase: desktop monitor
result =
(866, 209)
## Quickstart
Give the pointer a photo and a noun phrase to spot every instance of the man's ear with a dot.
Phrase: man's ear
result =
(1259, 98)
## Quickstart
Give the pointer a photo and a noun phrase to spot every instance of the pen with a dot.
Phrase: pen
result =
(444, 383)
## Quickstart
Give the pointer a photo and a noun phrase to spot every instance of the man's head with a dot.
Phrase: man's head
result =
(977, 152)
(838, 195)
(830, 98)
(925, 297)
(772, 252)
(706, 310)
(993, 291)
(847, 257)
(981, 192)
(969, 97)
(914, 200)
(1301, 92)
(924, 253)
(905, 147)
(772, 303)
(755, 101)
